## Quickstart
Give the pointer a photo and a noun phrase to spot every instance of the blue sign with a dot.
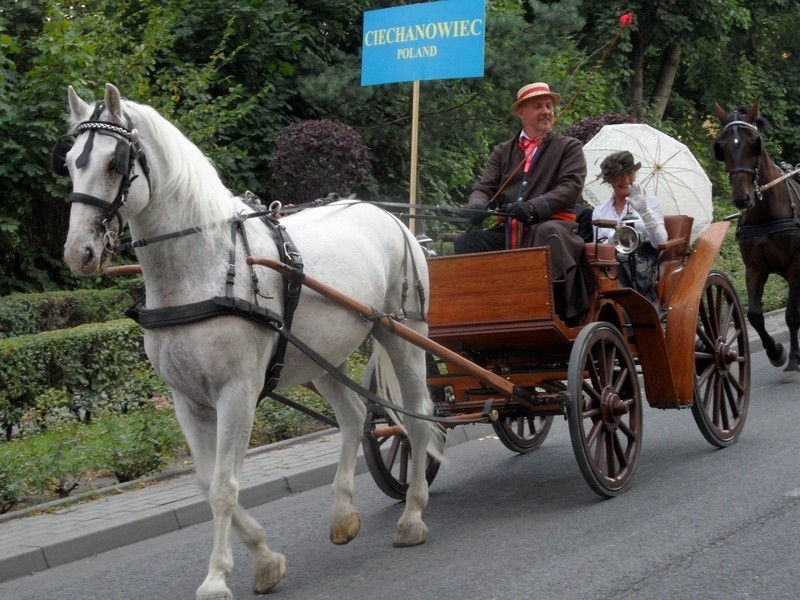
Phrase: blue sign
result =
(433, 40)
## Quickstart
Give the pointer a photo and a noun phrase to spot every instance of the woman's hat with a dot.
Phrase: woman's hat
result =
(532, 90)
(617, 164)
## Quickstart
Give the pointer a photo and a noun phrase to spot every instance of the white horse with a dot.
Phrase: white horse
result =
(216, 366)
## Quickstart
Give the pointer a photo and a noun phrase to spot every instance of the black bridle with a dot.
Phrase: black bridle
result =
(126, 153)
(719, 152)
(770, 227)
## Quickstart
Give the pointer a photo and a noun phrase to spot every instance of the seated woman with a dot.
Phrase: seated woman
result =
(631, 203)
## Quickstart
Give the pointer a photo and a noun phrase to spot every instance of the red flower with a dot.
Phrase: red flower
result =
(626, 20)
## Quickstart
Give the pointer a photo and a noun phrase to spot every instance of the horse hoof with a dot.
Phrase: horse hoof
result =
(344, 529)
(268, 574)
(221, 593)
(781, 359)
(410, 534)
(790, 376)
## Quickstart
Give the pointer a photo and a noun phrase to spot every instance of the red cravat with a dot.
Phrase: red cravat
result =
(528, 146)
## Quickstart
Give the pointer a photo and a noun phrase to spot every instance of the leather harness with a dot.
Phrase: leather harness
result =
(130, 152)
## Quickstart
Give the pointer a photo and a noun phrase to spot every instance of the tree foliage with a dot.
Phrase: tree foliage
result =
(232, 75)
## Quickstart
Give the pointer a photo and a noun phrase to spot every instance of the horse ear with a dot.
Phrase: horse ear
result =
(753, 112)
(113, 102)
(721, 114)
(76, 106)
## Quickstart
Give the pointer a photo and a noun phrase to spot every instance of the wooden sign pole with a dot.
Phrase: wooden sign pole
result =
(412, 184)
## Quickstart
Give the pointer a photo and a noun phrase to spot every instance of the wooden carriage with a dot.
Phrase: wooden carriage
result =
(494, 313)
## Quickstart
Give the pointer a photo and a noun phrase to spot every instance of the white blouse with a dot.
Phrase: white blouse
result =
(656, 235)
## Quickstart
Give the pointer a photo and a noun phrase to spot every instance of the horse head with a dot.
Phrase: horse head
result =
(104, 162)
(741, 147)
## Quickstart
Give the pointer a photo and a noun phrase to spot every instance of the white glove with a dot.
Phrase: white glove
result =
(637, 200)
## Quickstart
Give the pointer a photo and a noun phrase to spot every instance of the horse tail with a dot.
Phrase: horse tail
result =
(383, 376)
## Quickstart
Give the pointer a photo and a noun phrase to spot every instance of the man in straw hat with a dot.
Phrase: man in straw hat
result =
(535, 178)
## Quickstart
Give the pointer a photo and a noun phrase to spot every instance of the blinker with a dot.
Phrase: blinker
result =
(59, 158)
(122, 155)
(121, 161)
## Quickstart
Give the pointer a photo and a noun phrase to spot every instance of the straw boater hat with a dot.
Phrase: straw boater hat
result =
(617, 164)
(532, 90)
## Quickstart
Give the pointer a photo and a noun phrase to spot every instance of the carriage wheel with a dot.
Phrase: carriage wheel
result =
(721, 363)
(523, 432)
(387, 450)
(605, 408)
(388, 457)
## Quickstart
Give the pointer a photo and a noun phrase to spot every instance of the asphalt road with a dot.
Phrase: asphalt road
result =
(697, 523)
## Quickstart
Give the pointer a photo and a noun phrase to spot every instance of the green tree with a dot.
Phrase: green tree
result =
(223, 86)
(231, 75)
(662, 34)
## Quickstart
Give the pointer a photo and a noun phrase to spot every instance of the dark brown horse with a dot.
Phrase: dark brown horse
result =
(768, 231)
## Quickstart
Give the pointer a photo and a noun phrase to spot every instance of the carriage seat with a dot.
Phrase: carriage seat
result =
(672, 255)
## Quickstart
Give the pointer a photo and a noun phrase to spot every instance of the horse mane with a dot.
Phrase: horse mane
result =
(186, 177)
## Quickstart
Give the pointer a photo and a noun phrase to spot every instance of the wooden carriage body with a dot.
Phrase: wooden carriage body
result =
(497, 309)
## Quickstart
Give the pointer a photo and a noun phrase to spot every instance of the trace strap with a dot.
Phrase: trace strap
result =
(219, 306)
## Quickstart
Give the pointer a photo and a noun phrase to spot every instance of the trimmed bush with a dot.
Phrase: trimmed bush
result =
(84, 368)
(314, 158)
(587, 128)
(26, 314)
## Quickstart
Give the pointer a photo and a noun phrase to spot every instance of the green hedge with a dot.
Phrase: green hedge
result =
(25, 314)
(76, 371)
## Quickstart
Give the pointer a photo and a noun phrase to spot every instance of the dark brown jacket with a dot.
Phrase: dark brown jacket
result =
(554, 180)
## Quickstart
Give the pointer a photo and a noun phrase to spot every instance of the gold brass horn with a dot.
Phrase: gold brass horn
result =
(626, 239)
